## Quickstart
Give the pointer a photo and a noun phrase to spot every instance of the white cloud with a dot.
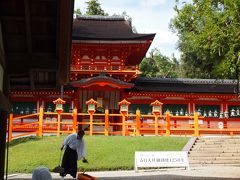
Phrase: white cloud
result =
(150, 3)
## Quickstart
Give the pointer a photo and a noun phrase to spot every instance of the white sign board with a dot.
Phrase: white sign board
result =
(161, 159)
(220, 125)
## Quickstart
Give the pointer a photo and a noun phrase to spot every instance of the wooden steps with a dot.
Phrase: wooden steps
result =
(215, 151)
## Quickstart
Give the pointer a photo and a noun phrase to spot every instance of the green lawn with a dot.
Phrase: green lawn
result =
(103, 152)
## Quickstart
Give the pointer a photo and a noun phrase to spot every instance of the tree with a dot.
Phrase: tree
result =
(127, 17)
(77, 12)
(94, 8)
(209, 37)
(158, 65)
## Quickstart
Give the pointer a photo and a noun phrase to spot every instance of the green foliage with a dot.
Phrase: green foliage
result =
(103, 152)
(127, 17)
(94, 8)
(209, 37)
(78, 11)
(159, 65)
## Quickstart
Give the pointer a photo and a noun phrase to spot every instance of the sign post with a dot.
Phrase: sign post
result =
(148, 159)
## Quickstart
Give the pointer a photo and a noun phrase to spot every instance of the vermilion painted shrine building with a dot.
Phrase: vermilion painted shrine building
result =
(104, 66)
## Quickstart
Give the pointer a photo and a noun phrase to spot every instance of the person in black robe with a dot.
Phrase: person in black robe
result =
(74, 150)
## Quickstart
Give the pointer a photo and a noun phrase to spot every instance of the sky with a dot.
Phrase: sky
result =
(148, 16)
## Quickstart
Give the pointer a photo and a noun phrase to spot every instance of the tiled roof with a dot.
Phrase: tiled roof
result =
(187, 80)
(105, 28)
(185, 85)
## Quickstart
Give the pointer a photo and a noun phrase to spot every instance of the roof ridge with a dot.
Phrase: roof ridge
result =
(189, 80)
(101, 18)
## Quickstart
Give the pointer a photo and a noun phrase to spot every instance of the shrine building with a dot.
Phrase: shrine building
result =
(104, 66)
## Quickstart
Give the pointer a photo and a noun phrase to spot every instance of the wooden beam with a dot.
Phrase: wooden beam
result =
(41, 54)
(28, 27)
(65, 39)
(12, 18)
(22, 18)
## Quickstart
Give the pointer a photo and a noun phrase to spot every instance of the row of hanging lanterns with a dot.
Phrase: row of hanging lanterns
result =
(232, 113)
(210, 113)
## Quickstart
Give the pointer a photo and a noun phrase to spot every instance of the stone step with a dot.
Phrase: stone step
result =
(220, 137)
(217, 146)
(206, 148)
(215, 150)
(209, 165)
(219, 140)
(216, 158)
(217, 143)
(215, 155)
(214, 161)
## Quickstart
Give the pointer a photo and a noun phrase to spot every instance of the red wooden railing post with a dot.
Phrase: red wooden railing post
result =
(138, 122)
(106, 131)
(10, 127)
(91, 124)
(74, 120)
(156, 124)
(40, 122)
(123, 125)
(168, 132)
(58, 124)
(196, 130)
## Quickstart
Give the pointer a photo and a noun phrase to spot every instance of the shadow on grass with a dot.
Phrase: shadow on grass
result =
(23, 140)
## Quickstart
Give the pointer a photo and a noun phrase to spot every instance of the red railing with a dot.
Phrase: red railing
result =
(118, 124)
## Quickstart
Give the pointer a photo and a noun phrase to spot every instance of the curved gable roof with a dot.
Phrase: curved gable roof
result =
(102, 80)
(105, 28)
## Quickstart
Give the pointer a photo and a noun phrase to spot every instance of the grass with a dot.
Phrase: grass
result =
(103, 152)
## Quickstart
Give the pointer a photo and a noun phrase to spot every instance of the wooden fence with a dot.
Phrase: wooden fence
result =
(118, 124)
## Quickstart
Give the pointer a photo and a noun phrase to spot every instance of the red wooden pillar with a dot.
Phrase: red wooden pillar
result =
(208, 124)
(191, 107)
(75, 103)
